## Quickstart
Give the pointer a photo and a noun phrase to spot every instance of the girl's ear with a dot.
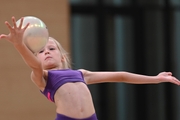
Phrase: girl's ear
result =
(62, 59)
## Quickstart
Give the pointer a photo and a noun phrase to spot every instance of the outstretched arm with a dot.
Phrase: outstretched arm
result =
(126, 77)
(16, 38)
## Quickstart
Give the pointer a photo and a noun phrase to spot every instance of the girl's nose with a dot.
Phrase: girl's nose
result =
(46, 52)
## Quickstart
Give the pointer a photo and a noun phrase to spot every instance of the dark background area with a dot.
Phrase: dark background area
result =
(139, 36)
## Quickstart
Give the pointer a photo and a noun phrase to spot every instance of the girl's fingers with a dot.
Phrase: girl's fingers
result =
(9, 26)
(21, 22)
(177, 81)
(13, 28)
(26, 27)
(3, 36)
(14, 22)
(169, 73)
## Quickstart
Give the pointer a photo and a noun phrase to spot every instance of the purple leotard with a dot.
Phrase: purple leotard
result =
(56, 78)
(63, 117)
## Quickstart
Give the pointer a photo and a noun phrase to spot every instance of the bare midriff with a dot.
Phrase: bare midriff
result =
(74, 100)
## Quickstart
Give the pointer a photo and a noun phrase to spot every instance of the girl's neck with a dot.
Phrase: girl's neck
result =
(54, 68)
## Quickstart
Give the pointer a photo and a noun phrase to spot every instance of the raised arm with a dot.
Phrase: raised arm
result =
(126, 77)
(16, 38)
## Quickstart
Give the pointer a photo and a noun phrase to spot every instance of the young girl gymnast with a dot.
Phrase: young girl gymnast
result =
(67, 88)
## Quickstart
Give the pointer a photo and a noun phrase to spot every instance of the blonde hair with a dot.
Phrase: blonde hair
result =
(66, 63)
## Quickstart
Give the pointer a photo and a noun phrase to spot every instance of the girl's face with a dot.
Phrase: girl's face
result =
(50, 56)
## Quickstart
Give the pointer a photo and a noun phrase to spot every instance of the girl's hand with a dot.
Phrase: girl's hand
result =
(16, 32)
(167, 77)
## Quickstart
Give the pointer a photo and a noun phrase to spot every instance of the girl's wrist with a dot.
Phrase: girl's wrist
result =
(19, 45)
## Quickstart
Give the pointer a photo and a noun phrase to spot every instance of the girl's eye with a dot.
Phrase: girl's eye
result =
(41, 51)
(51, 48)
